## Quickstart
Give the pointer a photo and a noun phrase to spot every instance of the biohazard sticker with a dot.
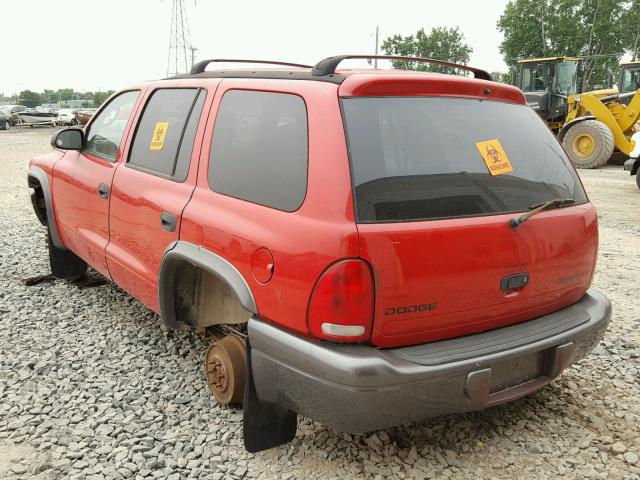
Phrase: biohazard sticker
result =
(159, 132)
(494, 157)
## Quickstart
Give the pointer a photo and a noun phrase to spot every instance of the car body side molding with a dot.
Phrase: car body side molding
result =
(179, 252)
(41, 177)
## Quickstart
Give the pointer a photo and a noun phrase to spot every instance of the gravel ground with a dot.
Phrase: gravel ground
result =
(91, 386)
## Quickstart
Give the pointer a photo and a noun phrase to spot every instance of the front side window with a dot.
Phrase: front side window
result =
(160, 139)
(428, 158)
(105, 133)
(260, 147)
(533, 78)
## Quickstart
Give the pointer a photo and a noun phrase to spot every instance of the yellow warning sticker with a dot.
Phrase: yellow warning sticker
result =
(494, 157)
(159, 132)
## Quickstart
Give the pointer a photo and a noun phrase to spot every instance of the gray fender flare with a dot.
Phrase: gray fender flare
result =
(179, 252)
(565, 128)
(41, 177)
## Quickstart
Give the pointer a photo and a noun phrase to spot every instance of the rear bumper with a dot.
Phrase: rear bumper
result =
(357, 388)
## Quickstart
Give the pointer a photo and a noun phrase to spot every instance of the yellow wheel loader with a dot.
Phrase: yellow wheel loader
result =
(589, 124)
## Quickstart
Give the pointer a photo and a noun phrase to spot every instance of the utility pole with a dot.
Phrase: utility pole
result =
(193, 54)
(375, 60)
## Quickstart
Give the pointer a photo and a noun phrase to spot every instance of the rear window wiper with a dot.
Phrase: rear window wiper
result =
(540, 207)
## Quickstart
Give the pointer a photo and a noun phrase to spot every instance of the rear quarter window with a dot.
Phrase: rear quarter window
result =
(419, 159)
(259, 149)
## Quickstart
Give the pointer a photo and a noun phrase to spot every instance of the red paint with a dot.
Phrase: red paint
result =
(455, 264)
(458, 264)
(262, 265)
(394, 83)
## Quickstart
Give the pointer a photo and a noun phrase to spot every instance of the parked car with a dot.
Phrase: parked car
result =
(5, 120)
(367, 247)
(67, 116)
(13, 111)
(84, 116)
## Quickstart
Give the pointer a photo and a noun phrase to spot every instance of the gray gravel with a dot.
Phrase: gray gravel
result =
(92, 386)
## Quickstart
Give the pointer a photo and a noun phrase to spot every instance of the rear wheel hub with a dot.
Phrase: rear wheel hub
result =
(226, 364)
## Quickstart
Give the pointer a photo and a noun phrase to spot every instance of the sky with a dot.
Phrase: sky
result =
(91, 45)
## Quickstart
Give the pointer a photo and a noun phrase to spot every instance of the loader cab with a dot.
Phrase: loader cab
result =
(629, 77)
(547, 83)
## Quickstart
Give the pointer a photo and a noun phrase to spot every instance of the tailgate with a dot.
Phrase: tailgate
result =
(435, 182)
(442, 279)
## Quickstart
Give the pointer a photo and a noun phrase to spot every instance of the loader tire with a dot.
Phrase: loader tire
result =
(589, 144)
(638, 179)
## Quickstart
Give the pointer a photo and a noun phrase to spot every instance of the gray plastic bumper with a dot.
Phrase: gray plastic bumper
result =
(357, 388)
(631, 165)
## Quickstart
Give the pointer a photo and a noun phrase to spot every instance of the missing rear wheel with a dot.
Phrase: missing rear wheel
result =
(226, 365)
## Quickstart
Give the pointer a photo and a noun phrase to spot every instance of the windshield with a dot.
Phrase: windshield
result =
(630, 80)
(426, 158)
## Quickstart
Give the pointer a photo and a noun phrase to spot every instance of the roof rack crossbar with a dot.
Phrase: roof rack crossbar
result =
(201, 66)
(328, 65)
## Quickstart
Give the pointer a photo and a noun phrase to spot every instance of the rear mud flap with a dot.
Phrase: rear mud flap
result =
(266, 425)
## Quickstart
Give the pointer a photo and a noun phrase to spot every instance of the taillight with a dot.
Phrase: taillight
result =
(341, 306)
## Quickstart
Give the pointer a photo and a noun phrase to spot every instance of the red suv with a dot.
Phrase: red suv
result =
(367, 247)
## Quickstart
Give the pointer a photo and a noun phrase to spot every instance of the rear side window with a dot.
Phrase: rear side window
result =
(426, 158)
(164, 138)
(259, 149)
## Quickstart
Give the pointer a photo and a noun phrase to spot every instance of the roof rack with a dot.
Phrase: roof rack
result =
(201, 66)
(328, 65)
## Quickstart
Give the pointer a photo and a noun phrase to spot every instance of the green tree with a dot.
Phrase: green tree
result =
(630, 24)
(591, 29)
(502, 77)
(100, 97)
(65, 94)
(29, 99)
(441, 43)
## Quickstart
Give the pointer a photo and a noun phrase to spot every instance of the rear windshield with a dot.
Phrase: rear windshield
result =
(426, 158)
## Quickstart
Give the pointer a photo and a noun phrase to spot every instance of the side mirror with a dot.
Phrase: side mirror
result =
(514, 75)
(609, 78)
(68, 139)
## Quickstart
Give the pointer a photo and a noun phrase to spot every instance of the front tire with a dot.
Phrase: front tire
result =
(589, 144)
(64, 263)
(7, 125)
(638, 179)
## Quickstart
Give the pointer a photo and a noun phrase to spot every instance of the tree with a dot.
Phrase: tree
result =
(100, 97)
(441, 43)
(29, 99)
(590, 29)
(630, 23)
(65, 94)
(502, 77)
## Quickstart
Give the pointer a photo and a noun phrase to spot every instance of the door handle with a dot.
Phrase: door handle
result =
(103, 191)
(168, 221)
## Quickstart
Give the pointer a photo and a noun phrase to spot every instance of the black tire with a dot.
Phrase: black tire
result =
(7, 125)
(596, 141)
(64, 263)
(638, 179)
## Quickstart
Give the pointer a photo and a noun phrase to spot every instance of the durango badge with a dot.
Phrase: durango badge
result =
(494, 157)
